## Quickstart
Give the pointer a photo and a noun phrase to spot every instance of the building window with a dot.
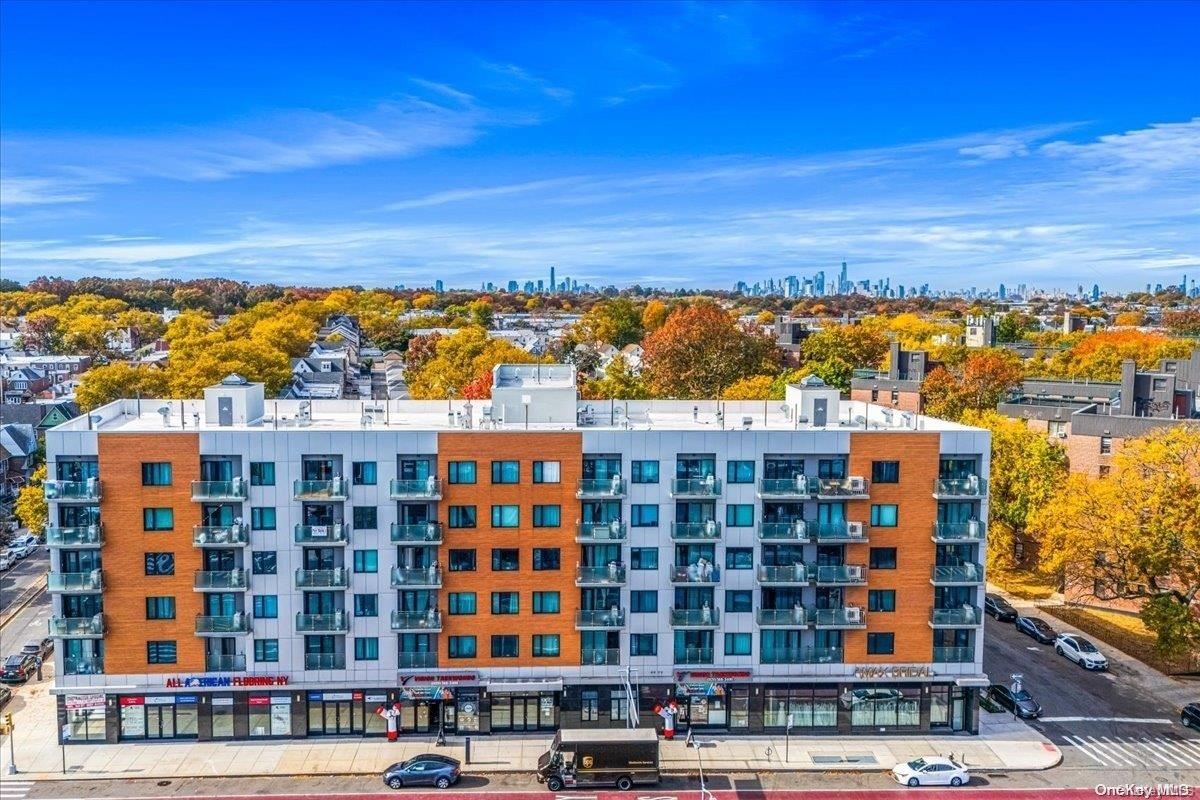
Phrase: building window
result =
(874, 395)
(506, 602)
(831, 468)
(547, 472)
(505, 645)
(506, 516)
(643, 601)
(160, 563)
(160, 608)
(589, 705)
(161, 652)
(545, 645)
(739, 515)
(156, 473)
(158, 519)
(506, 559)
(895, 396)
(643, 516)
(546, 603)
(883, 558)
(266, 606)
(881, 600)
(547, 558)
(266, 650)
(1057, 428)
(1105, 445)
(739, 472)
(884, 516)
(738, 601)
(366, 561)
(364, 473)
(737, 644)
(366, 605)
(462, 560)
(366, 518)
(262, 473)
(262, 518)
(643, 644)
(1104, 470)
(462, 603)
(506, 471)
(366, 648)
(644, 472)
(462, 517)
(461, 472)
(618, 705)
(739, 558)
(264, 562)
(881, 644)
(643, 558)
(461, 647)
(547, 516)
(885, 472)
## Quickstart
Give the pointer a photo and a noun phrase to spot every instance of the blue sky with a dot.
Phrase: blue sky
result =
(690, 144)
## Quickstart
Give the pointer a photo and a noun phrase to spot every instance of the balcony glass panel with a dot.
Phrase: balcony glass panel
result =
(77, 626)
(427, 532)
(430, 620)
(218, 662)
(75, 581)
(324, 660)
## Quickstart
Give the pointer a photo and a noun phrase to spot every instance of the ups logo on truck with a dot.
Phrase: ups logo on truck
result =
(588, 761)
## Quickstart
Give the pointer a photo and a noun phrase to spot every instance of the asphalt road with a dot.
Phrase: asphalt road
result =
(21, 576)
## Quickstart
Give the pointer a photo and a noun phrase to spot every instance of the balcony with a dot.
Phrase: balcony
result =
(965, 617)
(786, 488)
(802, 655)
(612, 575)
(223, 624)
(73, 491)
(786, 575)
(968, 574)
(600, 532)
(594, 619)
(953, 655)
(844, 575)
(971, 487)
(794, 532)
(336, 578)
(707, 575)
(848, 617)
(83, 665)
(78, 627)
(216, 491)
(72, 582)
(427, 621)
(429, 578)
(335, 489)
(85, 536)
(852, 488)
(693, 655)
(337, 622)
(838, 532)
(324, 660)
(599, 657)
(418, 660)
(965, 532)
(796, 617)
(600, 488)
(220, 580)
(425, 489)
(695, 617)
(220, 535)
(696, 487)
(224, 662)
(420, 533)
(333, 534)
(707, 531)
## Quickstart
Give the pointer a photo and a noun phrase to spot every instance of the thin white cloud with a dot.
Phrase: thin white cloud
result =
(25, 191)
(478, 193)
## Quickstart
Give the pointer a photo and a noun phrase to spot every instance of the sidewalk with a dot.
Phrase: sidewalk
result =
(1002, 745)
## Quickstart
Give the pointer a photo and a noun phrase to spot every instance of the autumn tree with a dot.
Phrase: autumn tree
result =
(1098, 356)
(978, 385)
(1185, 322)
(654, 314)
(31, 507)
(104, 384)
(701, 349)
(617, 322)
(754, 387)
(460, 361)
(618, 383)
(834, 352)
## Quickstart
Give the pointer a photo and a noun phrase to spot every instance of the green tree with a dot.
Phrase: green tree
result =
(700, 350)
(834, 352)
(617, 322)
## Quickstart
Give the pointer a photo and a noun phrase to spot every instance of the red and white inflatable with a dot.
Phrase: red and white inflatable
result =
(392, 716)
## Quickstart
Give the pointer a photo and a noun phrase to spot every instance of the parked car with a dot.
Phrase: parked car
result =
(1038, 628)
(424, 770)
(5, 696)
(1190, 715)
(1078, 649)
(18, 668)
(1020, 703)
(6, 560)
(931, 771)
(999, 608)
(16, 552)
(36, 648)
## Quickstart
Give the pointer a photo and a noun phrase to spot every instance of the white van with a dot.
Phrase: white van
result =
(6, 560)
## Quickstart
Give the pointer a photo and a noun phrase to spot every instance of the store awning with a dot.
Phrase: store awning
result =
(524, 687)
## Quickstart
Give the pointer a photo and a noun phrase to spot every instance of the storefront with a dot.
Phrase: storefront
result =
(353, 713)
(524, 705)
(83, 718)
(167, 716)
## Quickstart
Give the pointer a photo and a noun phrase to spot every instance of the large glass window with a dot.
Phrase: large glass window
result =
(506, 471)
(366, 605)
(739, 472)
(161, 652)
(506, 559)
(884, 515)
(262, 518)
(462, 603)
(883, 558)
(547, 516)
(461, 647)
(643, 601)
(831, 468)
(505, 645)
(160, 563)
(462, 517)
(737, 644)
(506, 602)
(366, 648)
(885, 471)
(266, 651)
(643, 515)
(506, 516)
(546, 603)
(886, 707)
(156, 473)
(809, 707)
(461, 472)
(643, 558)
(364, 473)
(462, 560)
(262, 473)
(881, 600)
(643, 644)
(264, 562)
(158, 519)
(644, 472)
(545, 645)
(366, 561)
(547, 472)
(739, 515)
(881, 644)
(160, 608)
(547, 558)
(266, 606)
(739, 558)
(739, 601)
(366, 518)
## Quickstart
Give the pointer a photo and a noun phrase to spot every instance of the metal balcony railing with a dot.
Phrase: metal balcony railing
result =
(802, 655)
(600, 532)
(963, 574)
(793, 532)
(84, 491)
(612, 575)
(953, 655)
(221, 535)
(219, 490)
(418, 659)
(696, 487)
(336, 578)
(429, 577)
(324, 660)
(969, 487)
(693, 655)
(225, 662)
(595, 618)
(600, 488)
(219, 580)
(698, 573)
(422, 489)
(599, 657)
(335, 533)
(695, 617)
(706, 531)
(843, 531)
(84, 627)
(970, 531)
(795, 617)
(787, 574)
(238, 622)
(430, 620)
(417, 533)
(848, 617)
(963, 616)
(843, 487)
(333, 489)
(83, 665)
(845, 575)
(799, 486)
(337, 622)
(91, 581)
(83, 536)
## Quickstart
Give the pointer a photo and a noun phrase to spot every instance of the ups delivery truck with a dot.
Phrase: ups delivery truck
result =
(619, 757)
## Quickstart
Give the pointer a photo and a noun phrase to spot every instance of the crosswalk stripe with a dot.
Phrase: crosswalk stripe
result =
(1189, 746)
(1188, 758)
(1133, 752)
(1113, 753)
(1160, 750)
(1084, 748)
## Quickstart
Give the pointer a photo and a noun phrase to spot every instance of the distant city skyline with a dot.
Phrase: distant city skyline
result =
(670, 145)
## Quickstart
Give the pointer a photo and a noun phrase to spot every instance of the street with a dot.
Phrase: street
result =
(17, 580)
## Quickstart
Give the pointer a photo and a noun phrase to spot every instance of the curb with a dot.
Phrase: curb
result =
(22, 604)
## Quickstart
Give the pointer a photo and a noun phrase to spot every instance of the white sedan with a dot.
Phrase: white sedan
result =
(1075, 648)
(931, 771)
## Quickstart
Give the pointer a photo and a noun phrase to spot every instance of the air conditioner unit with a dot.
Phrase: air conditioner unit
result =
(855, 571)
(856, 483)
(973, 526)
(854, 614)
(854, 530)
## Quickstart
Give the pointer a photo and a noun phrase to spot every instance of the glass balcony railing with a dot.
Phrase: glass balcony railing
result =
(333, 489)
(971, 531)
(695, 617)
(430, 620)
(337, 622)
(91, 581)
(219, 490)
(704, 573)
(612, 575)
(844, 575)
(220, 580)
(336, 578)
(600, 532)
(335, 533)
(599, 657)
(225, 662)
(788, 574)
(799, 486)
(429, 577)
(84, 491)
(418, 660)
(595, 618)
(324, 660)
(221, 535)
(693, 655)
(848, 617)
(89, 627)
(965, 574)
(613, 487)
(955, 617)
(696, 487)
(421, 489)
(706, 531)
(843, 487)
(969, 487)
(842, 531)
(84, 536)
(238, 622)
(795, 617)
(802, 655)
(83, 665)
(953, 655)
(417, 533)
(793, 532)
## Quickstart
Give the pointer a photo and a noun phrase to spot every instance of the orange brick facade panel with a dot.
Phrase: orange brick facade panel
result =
(483, 448)
(905, 401)
(1084, 456)
(126, 585)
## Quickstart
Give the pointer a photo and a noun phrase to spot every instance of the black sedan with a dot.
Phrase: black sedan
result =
(18, 668)
(1020, 703)
(999, 608)
(424, 770)
(1038, 628)
(1190, 715)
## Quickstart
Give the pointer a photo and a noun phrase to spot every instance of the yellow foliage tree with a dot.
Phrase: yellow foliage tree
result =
(31, 507)
(103, 384)
(459, 360)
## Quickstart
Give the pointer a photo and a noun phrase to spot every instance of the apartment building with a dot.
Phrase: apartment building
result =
(241, 568)
(899, 386)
